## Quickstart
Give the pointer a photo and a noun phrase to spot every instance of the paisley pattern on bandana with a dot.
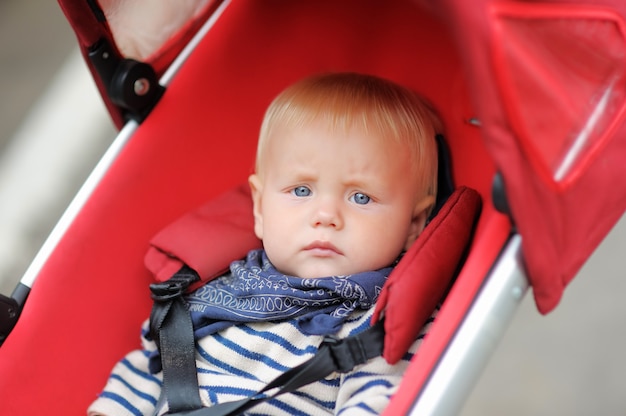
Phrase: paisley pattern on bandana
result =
(254, 291)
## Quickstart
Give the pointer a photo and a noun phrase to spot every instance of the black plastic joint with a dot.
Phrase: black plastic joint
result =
(10, 310)
(175, 287)
(347, 353)
(131, 85)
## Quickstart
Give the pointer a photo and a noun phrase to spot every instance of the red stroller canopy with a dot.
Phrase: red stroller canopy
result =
(548, 82)
(532, 90)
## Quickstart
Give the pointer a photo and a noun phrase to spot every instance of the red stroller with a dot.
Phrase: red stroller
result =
(531, 94)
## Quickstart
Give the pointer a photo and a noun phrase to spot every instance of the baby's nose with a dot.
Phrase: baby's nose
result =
(328, 214)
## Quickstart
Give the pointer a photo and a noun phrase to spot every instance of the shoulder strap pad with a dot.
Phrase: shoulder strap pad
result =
(421, 279)
(206, 239)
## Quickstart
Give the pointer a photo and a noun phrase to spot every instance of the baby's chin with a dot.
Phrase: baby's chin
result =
(320, 271)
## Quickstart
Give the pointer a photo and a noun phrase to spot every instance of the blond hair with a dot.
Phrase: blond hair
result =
(376, 105)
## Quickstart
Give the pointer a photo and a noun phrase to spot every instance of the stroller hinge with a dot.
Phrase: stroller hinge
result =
(10, 310)
(130, 84)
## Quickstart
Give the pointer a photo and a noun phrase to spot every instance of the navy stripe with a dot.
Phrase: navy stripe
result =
(122, 402)
(244, 352)
(229, 369)
(362, 327)
(277, 403)
(333, 382)
(139, 372)
(207, 371)
(231, 390)
(135, 391)
(360, 374)
(373, 383)
(361, 406)
(277, 339)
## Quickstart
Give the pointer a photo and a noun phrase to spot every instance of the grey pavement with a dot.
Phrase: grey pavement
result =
(570, 362)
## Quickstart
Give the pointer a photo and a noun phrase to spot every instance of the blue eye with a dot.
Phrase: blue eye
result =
(301, 191)
(360, 198)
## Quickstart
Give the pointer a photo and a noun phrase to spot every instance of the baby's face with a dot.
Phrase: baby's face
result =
(334, 203)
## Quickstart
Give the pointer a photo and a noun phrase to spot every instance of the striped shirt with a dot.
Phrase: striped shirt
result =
(237, 362)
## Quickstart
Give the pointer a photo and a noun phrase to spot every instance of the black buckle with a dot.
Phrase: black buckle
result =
(166, 291)
(175, 287)
(346, 353)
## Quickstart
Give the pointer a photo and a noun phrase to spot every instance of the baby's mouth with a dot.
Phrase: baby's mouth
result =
(323, 248)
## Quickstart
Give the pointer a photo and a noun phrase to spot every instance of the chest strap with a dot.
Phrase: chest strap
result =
(171, 328)
(172, 331)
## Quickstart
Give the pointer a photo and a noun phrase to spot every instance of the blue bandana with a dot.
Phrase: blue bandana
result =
(254, 291)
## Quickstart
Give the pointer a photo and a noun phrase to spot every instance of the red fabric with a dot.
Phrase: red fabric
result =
(575, 54)
(422, 277)
(84, 22)
(207, 239)
(492, 232)
(88, 302)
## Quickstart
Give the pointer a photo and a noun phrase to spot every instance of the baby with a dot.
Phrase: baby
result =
(344, 182)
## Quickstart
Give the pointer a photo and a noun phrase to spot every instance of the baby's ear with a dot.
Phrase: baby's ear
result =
(418, 221)
(256, 189)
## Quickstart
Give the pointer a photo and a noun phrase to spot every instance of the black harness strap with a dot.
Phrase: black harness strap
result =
(334, 355)
(171, 329)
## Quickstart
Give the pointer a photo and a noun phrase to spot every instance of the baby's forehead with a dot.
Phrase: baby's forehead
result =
(341, 127)
(294, 140)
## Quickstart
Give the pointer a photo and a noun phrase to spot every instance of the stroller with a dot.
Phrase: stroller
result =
(532, 96)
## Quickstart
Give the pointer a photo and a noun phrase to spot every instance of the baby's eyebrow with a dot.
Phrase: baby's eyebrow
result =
(366, 179)
(303, 175)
